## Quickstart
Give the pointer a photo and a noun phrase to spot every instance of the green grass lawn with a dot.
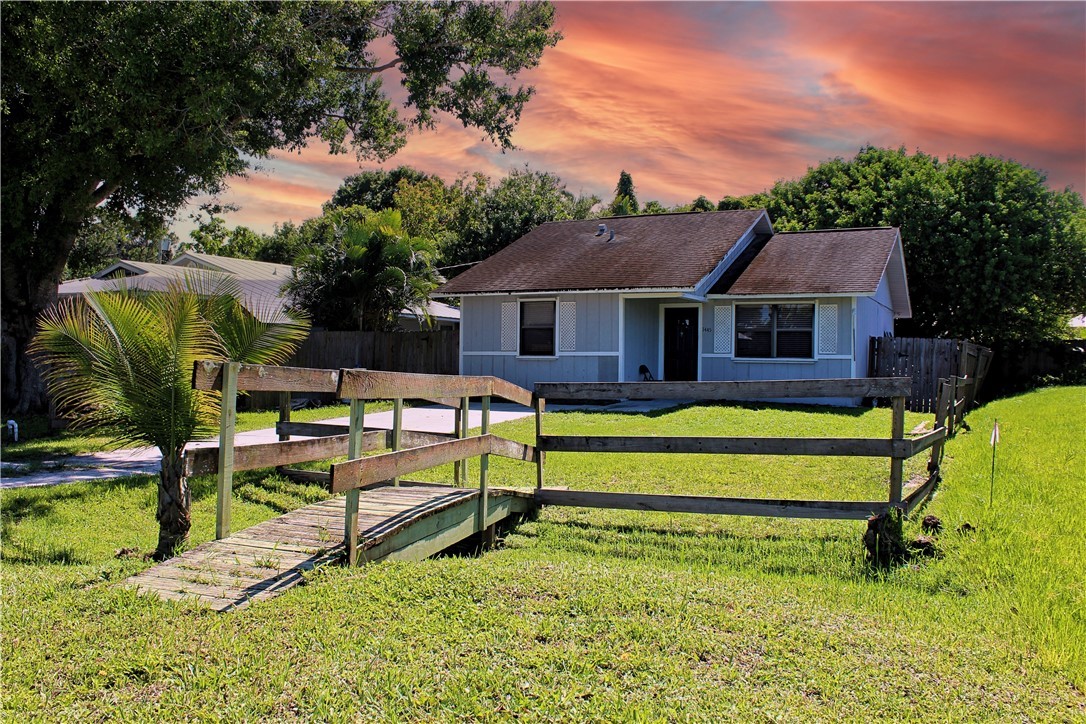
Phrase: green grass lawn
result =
(595, 614)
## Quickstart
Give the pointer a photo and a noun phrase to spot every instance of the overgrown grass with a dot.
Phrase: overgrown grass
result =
(592, 614)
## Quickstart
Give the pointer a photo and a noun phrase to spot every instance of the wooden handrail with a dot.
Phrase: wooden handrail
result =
(378, 385)
(363, 471)
(207, 375)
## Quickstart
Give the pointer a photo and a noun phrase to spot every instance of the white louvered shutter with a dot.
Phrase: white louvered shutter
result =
(827, 329)
(567, 326)
(509, 326)
(722, 330)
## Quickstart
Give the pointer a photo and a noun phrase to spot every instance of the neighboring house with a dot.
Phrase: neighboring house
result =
(261, 284)
(698, 296)
(442, 318)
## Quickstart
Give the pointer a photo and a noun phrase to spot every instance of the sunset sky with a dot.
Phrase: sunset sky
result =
(721, 98)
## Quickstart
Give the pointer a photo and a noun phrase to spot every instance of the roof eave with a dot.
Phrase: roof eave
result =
(524, 292)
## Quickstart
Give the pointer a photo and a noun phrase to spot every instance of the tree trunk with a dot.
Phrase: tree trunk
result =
(174, 506)
(32, 267)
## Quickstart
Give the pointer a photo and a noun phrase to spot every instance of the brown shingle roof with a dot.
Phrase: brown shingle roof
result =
(835, 261)
(648, 252)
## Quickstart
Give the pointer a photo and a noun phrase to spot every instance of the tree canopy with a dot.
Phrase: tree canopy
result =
(494, 215)
(370, 270)
(992, 253)
(473, 217)
(142, 106)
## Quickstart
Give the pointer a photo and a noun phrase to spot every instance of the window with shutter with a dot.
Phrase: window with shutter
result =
(774, 331)
(537, 328)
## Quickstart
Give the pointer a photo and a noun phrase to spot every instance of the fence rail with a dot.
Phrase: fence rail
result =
(897, 448)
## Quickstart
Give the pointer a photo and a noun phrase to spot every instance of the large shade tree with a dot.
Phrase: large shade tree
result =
(992, 253)
(142, 106)
(120, 363)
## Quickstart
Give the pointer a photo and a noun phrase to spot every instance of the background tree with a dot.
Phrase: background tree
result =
(624, 190)
(110, 236)
(213, 236)
(654, 207)
(120, 363)
(492, 216)
(370, 272)
(284, 245)
(620, 206)
(702, 204)
(992, 253)
(142, 106)
(752, 201)
(375, 189)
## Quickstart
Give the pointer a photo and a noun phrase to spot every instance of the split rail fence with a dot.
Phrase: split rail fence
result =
(897, 448)
(411, 451)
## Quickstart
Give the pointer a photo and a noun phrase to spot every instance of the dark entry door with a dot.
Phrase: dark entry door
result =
(680, 343)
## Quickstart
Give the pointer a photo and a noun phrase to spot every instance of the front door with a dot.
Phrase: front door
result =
(680, 343)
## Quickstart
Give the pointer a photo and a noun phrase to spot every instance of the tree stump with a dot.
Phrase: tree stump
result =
(883, 540)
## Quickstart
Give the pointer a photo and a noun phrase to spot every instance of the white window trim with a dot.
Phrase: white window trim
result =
(660, 338)
(800, 360)
(522, 300)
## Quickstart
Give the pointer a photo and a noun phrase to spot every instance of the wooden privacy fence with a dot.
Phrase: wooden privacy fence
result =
(896, 447)
(926, 362)
(433, 352)
(411, 451)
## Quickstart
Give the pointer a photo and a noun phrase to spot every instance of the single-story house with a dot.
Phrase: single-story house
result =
(691, 296)
(261, 284)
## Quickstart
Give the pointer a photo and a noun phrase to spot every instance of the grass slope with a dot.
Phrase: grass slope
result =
(593, 614)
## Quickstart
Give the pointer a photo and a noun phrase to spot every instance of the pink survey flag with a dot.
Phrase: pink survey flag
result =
(995, 434)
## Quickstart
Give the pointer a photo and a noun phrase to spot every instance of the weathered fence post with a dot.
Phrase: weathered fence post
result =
(941, 403)
(397, 430)
(456, 433)
(484, 469)
(897, 432)
(227, 421)
(354, 451)
(539, 404)
(465, 425)
(284, 416)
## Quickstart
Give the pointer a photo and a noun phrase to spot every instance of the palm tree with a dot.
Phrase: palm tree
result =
(120, 363)
(370, 272)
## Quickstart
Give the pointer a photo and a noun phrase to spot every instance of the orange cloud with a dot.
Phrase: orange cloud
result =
(726, 98)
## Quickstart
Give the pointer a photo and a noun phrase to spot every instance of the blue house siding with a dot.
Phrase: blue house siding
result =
(592, 321)
(525, 371)
(874, 318)
(595, 321)
(589, 320)
(641, 337)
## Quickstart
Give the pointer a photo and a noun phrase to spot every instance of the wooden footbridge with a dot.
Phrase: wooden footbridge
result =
(381, 517)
